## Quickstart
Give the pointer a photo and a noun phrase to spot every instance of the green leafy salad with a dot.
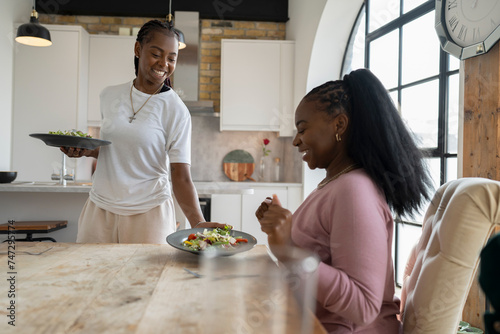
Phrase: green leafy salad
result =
(220, 238)
(74, 133)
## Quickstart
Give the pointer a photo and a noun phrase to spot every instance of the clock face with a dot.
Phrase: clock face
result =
(469, 22)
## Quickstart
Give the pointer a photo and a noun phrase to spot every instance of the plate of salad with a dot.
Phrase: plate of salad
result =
(222, 241)
(70, 138)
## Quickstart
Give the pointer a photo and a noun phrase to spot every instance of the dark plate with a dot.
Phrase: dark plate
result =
(70, 141)
(176, 240)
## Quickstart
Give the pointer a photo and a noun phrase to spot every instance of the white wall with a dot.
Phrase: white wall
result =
(11, 11)
(321, 31)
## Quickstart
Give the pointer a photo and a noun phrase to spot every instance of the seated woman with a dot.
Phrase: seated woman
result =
(352, 129)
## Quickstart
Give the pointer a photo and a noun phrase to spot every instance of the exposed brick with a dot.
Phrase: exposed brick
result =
(210, 73)
(63, 19)
(209, 88)
(215, 95)
(204, 66)
(215, 52)
(210, 45)
(256, 33)
(89, 19)
(267, 25)
(205, 23)
(205, 80)
(209, 59)
(212, 31)
(134, 21)
(98, 27)
(244, 25)
(224, 24)
(281, 26)
(277, 34)
(111, 20)
(206, 52)
(215, 66)
(204, 96)
(231, 32)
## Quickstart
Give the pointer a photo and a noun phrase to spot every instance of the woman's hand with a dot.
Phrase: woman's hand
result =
(276, 222)
(75, 152)
(211, 225)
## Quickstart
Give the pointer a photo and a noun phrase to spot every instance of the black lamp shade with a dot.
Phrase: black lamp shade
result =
(33, 34)
(182, 41)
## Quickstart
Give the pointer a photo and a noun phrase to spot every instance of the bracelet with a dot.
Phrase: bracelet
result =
(198, 224)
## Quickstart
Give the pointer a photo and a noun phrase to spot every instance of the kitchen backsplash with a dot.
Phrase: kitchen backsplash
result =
(210, 146)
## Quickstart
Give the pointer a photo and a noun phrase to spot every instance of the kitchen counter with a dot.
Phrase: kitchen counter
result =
(206, 188)
(142, 288)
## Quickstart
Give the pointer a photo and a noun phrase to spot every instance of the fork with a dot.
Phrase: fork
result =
(195, 274)
(26, 252)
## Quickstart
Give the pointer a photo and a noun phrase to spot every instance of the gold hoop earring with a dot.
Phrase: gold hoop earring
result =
(339, 139)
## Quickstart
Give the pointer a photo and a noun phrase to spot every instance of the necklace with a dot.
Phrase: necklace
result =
(344, 171)
(132, 102)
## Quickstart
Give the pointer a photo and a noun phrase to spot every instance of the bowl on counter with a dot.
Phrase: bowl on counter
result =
(7, 176)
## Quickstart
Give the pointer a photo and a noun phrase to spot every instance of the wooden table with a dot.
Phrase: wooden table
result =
(118, 288)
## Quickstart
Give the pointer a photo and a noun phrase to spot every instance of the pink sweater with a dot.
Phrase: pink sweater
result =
(349, 225)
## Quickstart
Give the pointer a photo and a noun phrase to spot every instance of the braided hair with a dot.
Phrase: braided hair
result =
(378, 139)
(145, 34)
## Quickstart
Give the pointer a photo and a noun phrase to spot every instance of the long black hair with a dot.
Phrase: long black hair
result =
(377, 138)
(145, 34)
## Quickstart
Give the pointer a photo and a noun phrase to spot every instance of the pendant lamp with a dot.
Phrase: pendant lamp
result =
(170, 18)
(33, 33)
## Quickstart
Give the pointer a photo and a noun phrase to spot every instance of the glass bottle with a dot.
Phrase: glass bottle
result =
(276, 174)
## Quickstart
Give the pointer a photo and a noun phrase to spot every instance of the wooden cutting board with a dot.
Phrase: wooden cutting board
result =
(239, 165)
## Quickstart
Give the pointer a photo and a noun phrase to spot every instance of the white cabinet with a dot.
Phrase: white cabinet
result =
(50, 93)
(111, 62)
(257, 85)
(226, 208)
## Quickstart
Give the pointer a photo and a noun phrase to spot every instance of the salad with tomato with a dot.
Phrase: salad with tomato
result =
(218, 237)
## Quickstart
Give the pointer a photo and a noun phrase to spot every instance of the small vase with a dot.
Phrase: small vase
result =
(265, 169)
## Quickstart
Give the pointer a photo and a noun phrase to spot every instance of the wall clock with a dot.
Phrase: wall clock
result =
(467, 28)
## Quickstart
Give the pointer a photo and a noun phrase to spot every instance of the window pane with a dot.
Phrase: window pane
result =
(355, 53)
(454, 63)
(408, 236)
(451, 169)
(384, 59)
(382, 12)
(453, 100)
(420, 59)
(408, 5)
(419, 107)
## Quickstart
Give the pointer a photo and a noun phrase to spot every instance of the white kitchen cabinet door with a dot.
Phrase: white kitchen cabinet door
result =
(111, 62)
(250, 203)
(257, 85)
(50, 93)
(226, 208)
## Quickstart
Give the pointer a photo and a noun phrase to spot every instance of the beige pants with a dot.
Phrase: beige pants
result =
(97, 225)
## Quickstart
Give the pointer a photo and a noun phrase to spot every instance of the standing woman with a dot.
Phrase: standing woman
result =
(351, 129)
(150, 129)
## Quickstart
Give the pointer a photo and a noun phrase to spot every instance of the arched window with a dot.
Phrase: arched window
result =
(396, 40)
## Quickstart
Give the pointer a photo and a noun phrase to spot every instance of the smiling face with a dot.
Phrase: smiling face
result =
(316, 135)
(157, 59)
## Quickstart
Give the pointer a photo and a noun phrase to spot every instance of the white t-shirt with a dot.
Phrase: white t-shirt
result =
(131, 176)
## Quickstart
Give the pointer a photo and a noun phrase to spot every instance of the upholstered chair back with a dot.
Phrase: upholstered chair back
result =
(442, 265)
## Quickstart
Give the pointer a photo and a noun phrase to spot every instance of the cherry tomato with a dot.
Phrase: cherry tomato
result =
(241, 240)
(191, 236)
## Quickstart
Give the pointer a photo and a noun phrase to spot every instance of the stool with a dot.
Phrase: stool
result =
(30, 227)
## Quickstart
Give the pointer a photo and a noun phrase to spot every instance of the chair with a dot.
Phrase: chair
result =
(442, 265)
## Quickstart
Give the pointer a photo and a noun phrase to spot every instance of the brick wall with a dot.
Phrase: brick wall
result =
(212, 31)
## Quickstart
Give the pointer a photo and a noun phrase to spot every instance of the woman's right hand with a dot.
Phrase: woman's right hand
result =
(276, 222)
(75, 152)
